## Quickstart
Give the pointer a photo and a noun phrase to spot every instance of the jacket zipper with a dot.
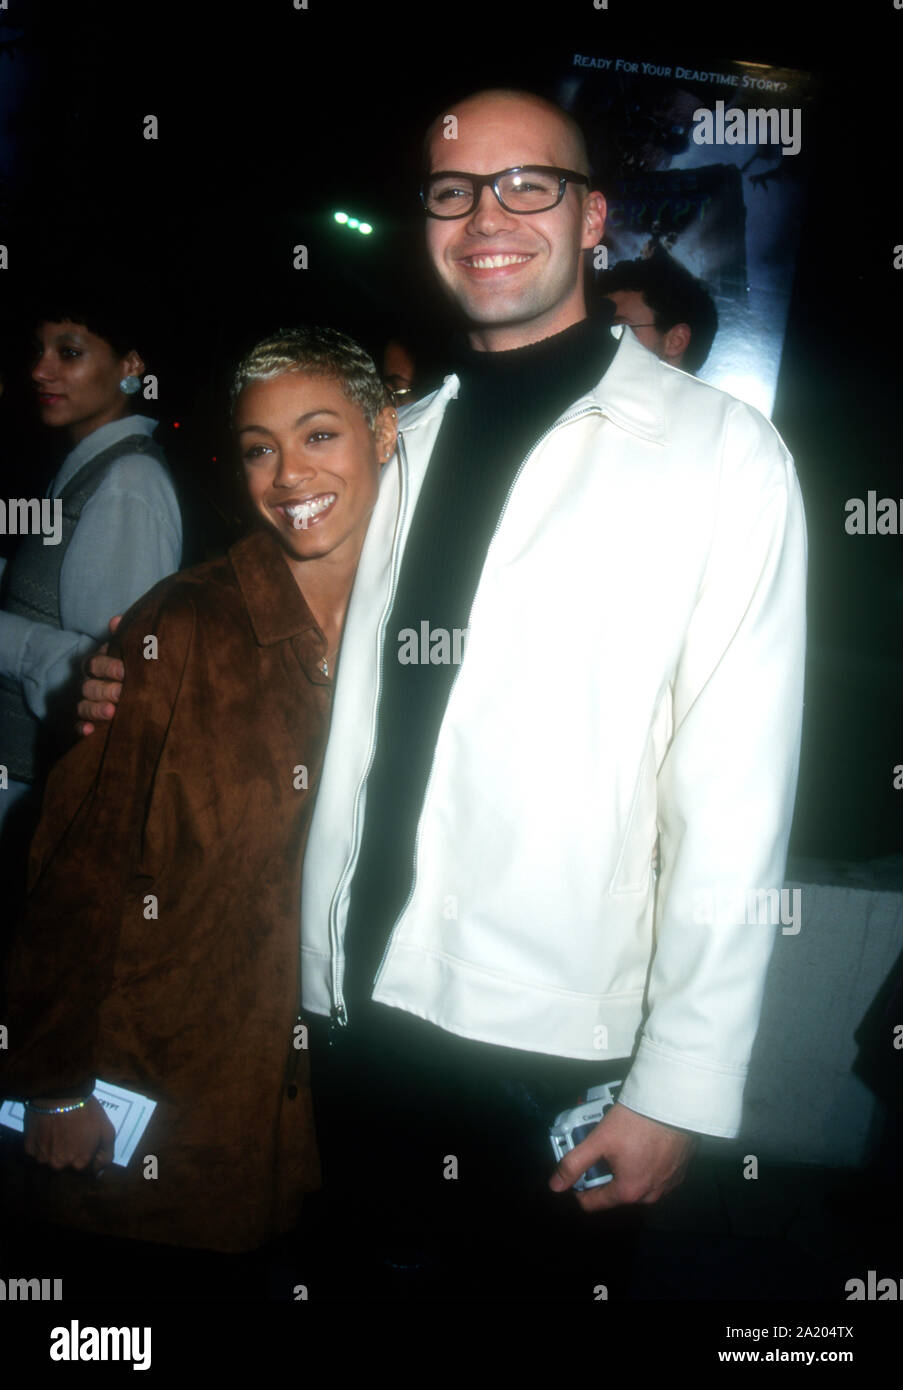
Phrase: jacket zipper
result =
(339, 1016)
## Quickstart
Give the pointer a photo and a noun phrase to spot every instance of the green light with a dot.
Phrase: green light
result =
(365, 228)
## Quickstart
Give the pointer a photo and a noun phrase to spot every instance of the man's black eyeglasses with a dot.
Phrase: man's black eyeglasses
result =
(525, 188)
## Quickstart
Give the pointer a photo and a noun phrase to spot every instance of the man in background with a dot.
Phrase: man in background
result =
(669, 310)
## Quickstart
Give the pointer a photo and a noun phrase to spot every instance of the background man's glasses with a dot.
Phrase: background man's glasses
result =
(525, 188)
(397, 392)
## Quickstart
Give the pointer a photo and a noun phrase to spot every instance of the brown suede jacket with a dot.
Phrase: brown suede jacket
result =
(160, 947)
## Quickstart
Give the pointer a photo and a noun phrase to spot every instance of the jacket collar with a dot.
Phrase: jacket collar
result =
(275, 604)
(631, 394)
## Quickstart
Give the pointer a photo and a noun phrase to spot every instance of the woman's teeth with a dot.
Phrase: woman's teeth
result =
(304, 512)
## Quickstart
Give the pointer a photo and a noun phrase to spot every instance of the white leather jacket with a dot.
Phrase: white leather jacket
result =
(633, 667)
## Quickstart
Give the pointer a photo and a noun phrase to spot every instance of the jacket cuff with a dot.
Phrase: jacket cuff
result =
(684, 1092)
(69, 1092)
(33, 1087)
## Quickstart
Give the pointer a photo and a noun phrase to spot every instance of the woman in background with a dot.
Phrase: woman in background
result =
(112, 530)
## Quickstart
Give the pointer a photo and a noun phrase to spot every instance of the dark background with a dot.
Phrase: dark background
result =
(271, 118)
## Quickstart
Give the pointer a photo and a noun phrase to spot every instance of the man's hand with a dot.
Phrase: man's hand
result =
(648, 1159)
(80, 1139)
(101, 694)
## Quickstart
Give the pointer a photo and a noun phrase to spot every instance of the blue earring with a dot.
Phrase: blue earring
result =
(129, 385)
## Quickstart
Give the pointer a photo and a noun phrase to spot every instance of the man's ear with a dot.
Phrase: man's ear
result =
(595, 210)
(677, 340)
(385, 433)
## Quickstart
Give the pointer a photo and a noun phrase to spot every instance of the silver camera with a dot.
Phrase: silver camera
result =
(571, 1127)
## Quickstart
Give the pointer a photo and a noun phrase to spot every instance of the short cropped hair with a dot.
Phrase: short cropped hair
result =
(673, 294)
(323, 352)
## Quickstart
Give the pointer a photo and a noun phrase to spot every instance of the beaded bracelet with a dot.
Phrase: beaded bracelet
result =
(57, 1109)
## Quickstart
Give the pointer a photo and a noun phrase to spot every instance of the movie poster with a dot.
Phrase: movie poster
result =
(709, 161)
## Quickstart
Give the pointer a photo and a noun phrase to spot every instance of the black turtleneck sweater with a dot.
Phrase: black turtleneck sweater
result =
(506, 401)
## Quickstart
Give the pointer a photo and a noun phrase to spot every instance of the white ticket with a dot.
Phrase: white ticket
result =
(128, 1112)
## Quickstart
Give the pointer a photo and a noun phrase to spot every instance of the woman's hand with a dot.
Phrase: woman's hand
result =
(101, 687)
(79, 1139)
